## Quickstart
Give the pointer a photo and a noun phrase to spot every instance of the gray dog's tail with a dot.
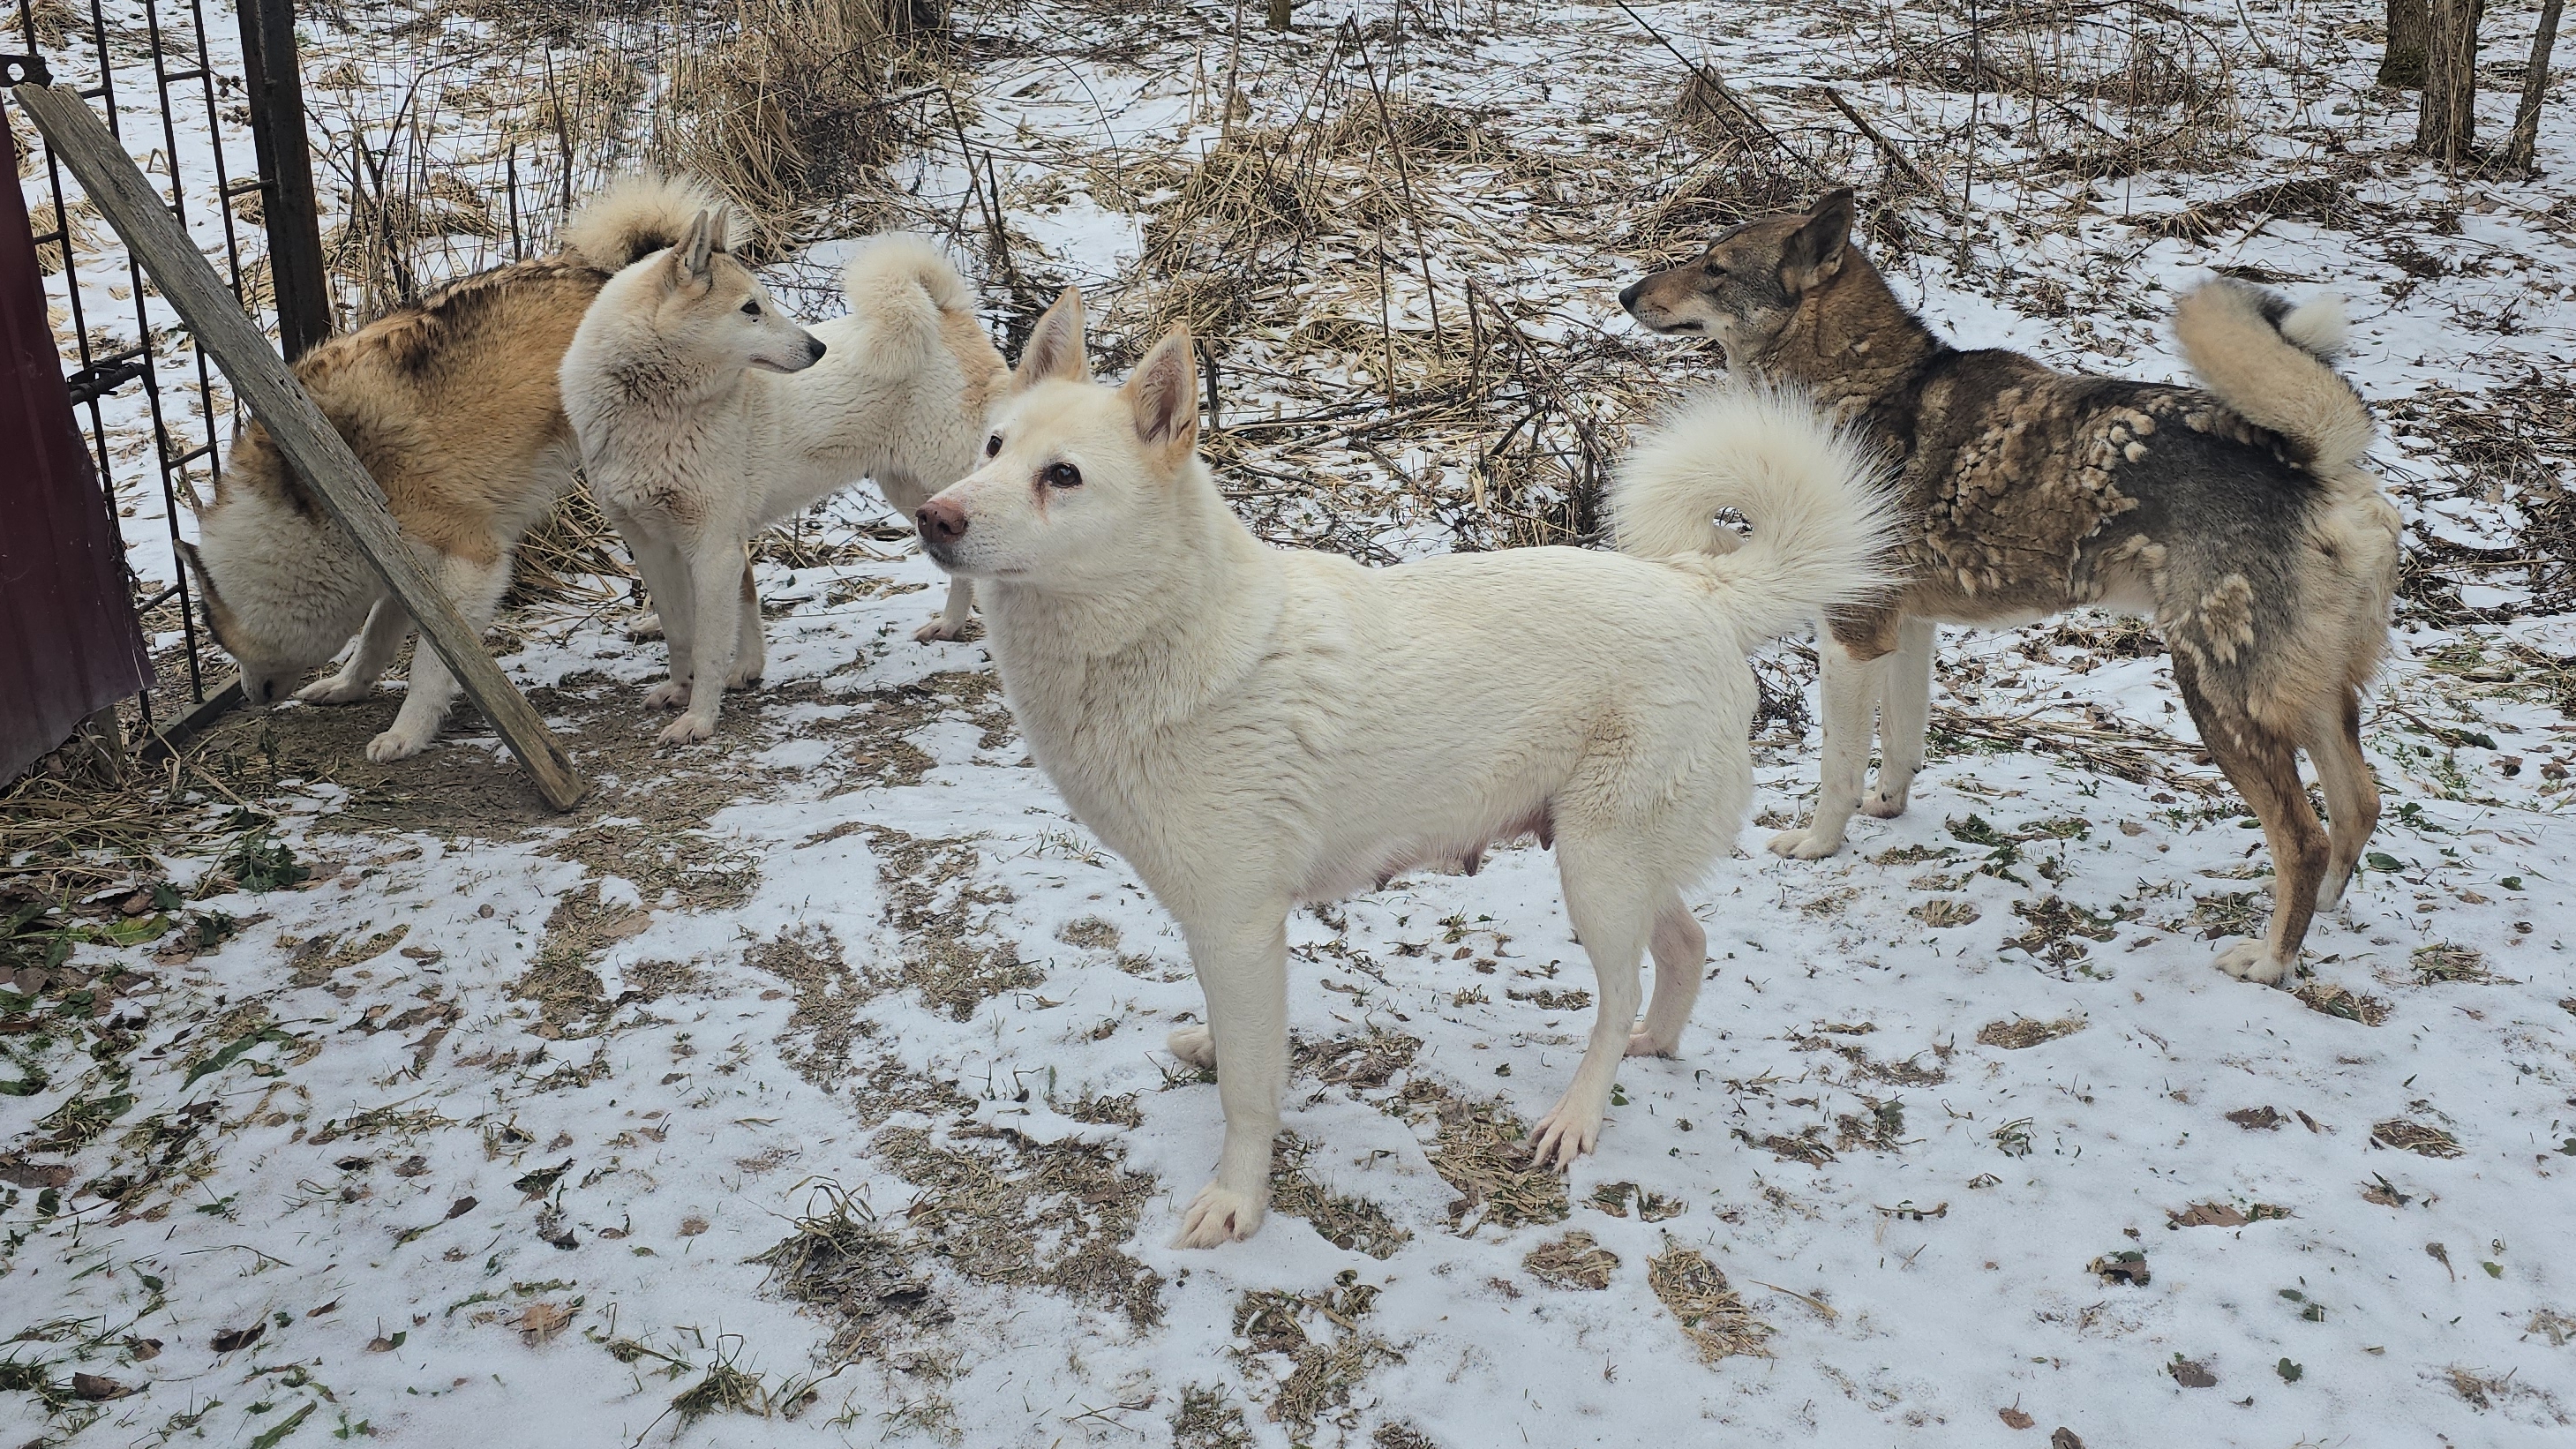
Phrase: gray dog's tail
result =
(633, 217)
(2274, 365)
(1822, 511)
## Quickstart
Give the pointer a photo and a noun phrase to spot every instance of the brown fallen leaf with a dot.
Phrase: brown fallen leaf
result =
(95, 1387)
(460, 1207)
(2015, 1418)
(541, 1321)
(692, 1225)
(142, 1350)
(239, 1338)
(2064, 1438)
(2191, 1375)
(2206, 1215)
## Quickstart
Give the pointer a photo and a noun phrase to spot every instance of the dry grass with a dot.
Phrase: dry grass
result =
(1327, 1352)
(1712, 1317)
(2342, 1001)
(1006, 1209)
(1482, 1151)
(1573, 1261)
(2022, 1032)
(844, 1267)
(2408, 1135)
(2445, 961)
(1352, 1223)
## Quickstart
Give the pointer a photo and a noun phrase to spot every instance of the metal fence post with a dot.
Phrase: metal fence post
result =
(288, 206)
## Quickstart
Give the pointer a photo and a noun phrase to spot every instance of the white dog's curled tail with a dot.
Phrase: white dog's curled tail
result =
(896, 280)
(1821, 507)
(2273, 364)
(635, 216)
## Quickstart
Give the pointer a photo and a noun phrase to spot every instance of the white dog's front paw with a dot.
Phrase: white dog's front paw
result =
(937, 630)
(1885, 803)
(1646, 1042)
(1220, 1215)
(1195, 1045)
(335, 690)
(648, 627)
(394, 745)
(669, 694)
(743, 676)
(688, 729)
(1567, 1132)
(2253, 961)
(1807, 844)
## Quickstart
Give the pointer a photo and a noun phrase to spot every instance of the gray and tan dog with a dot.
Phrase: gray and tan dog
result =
(454, 407)
(2239, 515)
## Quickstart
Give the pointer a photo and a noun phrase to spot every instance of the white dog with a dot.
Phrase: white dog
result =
(693, 441)
(1252, 727)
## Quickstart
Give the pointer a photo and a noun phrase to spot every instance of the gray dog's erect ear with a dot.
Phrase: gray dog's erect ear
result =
(1814, 253)
(1163, 393)
(1055, 346)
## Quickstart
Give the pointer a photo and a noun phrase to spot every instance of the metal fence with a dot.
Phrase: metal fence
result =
(212, 109)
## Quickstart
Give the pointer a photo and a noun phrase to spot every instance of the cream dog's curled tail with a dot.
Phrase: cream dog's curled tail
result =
(1820, 506)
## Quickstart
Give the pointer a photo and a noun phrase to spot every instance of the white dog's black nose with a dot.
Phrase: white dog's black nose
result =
(816, 355)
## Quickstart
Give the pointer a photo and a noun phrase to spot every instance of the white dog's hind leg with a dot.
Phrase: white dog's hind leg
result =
(1610, 908)
(715, 617)
(1243, 968)
(1905, 713)
(1850, 689)
(952, 619)
(476, 590)
(1681, 950)
(750, 651)
(378, 643)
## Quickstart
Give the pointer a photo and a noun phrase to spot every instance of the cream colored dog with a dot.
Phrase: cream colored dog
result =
(1252, 727)
(693, 442)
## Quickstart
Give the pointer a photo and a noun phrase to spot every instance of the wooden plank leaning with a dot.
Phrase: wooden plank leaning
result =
(311, 445)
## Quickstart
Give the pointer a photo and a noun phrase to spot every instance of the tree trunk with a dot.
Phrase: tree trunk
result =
(1278, 14)
(2447, 124)
(2535, 88)
(2401, 65)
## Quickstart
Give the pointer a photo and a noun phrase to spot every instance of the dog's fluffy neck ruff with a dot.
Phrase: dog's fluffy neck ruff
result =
(1057, 646)
(1852, 344)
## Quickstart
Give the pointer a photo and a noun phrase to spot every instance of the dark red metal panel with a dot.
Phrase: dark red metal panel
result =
(69, 642)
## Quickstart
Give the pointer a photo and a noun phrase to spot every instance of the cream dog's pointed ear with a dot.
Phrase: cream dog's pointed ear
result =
(697, 246)
(1055, 346)
(1163, 393)
(719, 223)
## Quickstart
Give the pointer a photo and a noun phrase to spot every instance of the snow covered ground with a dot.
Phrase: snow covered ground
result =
(808, 1085)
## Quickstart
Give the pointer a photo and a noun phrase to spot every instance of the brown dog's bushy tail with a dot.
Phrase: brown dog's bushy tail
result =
(631, 218)
(2273, 363)
(1821, 507)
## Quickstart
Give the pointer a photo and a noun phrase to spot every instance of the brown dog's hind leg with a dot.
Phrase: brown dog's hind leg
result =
(2352, 795)
(2264, 768)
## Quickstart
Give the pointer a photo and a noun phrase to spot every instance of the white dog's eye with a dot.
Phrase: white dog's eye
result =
(993, 446)
(1063, 475)
(751, 309)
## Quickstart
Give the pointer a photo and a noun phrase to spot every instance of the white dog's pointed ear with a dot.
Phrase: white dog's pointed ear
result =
(719, 222)
(1054, 350)
(1163, 393)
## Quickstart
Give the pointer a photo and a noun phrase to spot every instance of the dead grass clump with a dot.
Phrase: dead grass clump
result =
(2444, 961)
(1482, 1151)
(2022, 1032)
(1005, 1208)
(1420, 129)
(1738, 182)
(787, 105)
(1574, 1261)
(840, 1264)
(944, 915)
(2341, 1001)
(1942, 911)
(2491, 1391)
(1118, 1111)
(1713, 1318)
(1247, 189)
(1327, 1352)
(825, 1025)
(2515, 443)
(1363, 1063)
(1352, 1223)
(1207, 1419)
(2408, 1135)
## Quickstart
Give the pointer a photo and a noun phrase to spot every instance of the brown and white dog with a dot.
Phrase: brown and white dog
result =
(454, 407)
(2239, 515)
